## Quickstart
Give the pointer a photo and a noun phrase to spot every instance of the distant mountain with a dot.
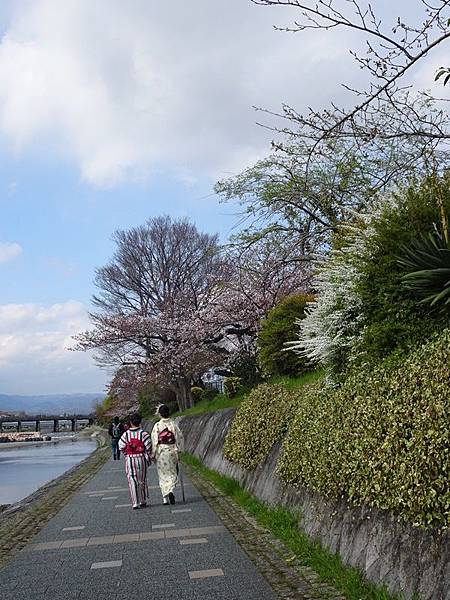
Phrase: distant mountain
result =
(50, 404)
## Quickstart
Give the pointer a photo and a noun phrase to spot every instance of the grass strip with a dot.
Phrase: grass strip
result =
(222, 401)
(219, 402)
(283, 524)
(293, 383)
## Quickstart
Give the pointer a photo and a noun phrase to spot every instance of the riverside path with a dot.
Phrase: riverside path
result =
(96, 547)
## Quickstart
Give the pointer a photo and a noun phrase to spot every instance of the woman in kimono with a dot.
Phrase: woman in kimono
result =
(167, 441)
(136, 445)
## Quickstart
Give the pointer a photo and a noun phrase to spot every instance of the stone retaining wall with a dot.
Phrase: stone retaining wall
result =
(406, 559)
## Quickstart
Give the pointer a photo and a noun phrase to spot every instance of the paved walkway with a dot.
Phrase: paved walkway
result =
(96, 547)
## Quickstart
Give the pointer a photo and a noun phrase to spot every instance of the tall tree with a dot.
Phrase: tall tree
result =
(329, 162)
(172, 304)
(391, 54)
(152, 303)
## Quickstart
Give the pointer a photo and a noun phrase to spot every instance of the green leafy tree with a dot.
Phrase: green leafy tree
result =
(392, 317)
(278, 329)
(363, 311)
(101, 409)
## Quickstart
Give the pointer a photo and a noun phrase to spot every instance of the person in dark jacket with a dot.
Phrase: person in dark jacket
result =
(115, 431)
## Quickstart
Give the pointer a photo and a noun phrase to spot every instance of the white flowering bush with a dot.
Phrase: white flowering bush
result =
(362, 312)
(333, 322)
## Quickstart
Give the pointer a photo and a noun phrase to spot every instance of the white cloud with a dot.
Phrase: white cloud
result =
(33, 350)
(9, 251)
(124, 88)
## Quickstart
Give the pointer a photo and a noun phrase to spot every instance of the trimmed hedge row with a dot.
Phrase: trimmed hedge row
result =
(261, 420)
(382, 438)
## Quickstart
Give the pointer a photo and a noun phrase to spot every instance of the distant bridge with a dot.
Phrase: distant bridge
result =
(38, 419)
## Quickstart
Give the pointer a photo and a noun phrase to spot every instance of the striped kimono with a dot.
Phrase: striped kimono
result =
(166, 456)
(136, 465)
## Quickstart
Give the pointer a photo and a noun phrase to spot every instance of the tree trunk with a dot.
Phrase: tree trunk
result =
(189, 398)
(180, 399)
(183, 393)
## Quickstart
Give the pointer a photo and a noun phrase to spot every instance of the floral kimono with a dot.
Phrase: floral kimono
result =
(167, 441)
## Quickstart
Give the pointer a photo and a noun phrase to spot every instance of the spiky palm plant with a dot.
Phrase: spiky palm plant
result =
(427, 262)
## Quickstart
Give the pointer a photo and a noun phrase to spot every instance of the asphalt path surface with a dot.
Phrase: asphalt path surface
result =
(98, 548)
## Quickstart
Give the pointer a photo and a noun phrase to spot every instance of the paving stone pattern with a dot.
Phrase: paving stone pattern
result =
(103, 550)
(92, 550)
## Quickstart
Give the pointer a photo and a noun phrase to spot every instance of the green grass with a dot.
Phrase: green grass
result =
(293, 383)
(284, 525)
(221, 401)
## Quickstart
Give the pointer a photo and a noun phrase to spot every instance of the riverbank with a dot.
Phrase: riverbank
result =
(54, 439)
(9, 445)
(20, 521)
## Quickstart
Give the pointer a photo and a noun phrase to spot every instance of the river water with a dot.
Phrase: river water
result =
(24, 469)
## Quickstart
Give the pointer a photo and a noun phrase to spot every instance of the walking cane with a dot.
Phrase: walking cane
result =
(180, 474)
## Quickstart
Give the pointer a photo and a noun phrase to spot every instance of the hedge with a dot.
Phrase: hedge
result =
(197, 394)
(381, 439)
(276, 330)
(231, 386)
(261, 420)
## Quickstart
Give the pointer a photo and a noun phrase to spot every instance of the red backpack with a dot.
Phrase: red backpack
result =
(134, 446)
(166, 437)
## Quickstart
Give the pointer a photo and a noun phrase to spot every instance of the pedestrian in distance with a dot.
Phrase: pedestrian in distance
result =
(115, 430)
(167, 442)
(136, 444)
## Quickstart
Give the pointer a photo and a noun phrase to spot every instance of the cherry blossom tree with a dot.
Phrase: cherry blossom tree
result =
(172, 304)
(123, 391)
(262, 273)
(150, 307)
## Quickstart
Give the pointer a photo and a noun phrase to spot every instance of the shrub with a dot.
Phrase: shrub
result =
(197, 394)
(427, 262)
(244, 365)
(277, 329)
(260, 421)
(413, 213)
(232, 385)
(209, 394)
(363, 311)
(382, 438)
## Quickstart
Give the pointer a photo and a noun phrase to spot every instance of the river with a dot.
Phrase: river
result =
(24, 469)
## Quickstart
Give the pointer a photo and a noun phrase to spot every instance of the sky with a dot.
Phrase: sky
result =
(112, 112)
